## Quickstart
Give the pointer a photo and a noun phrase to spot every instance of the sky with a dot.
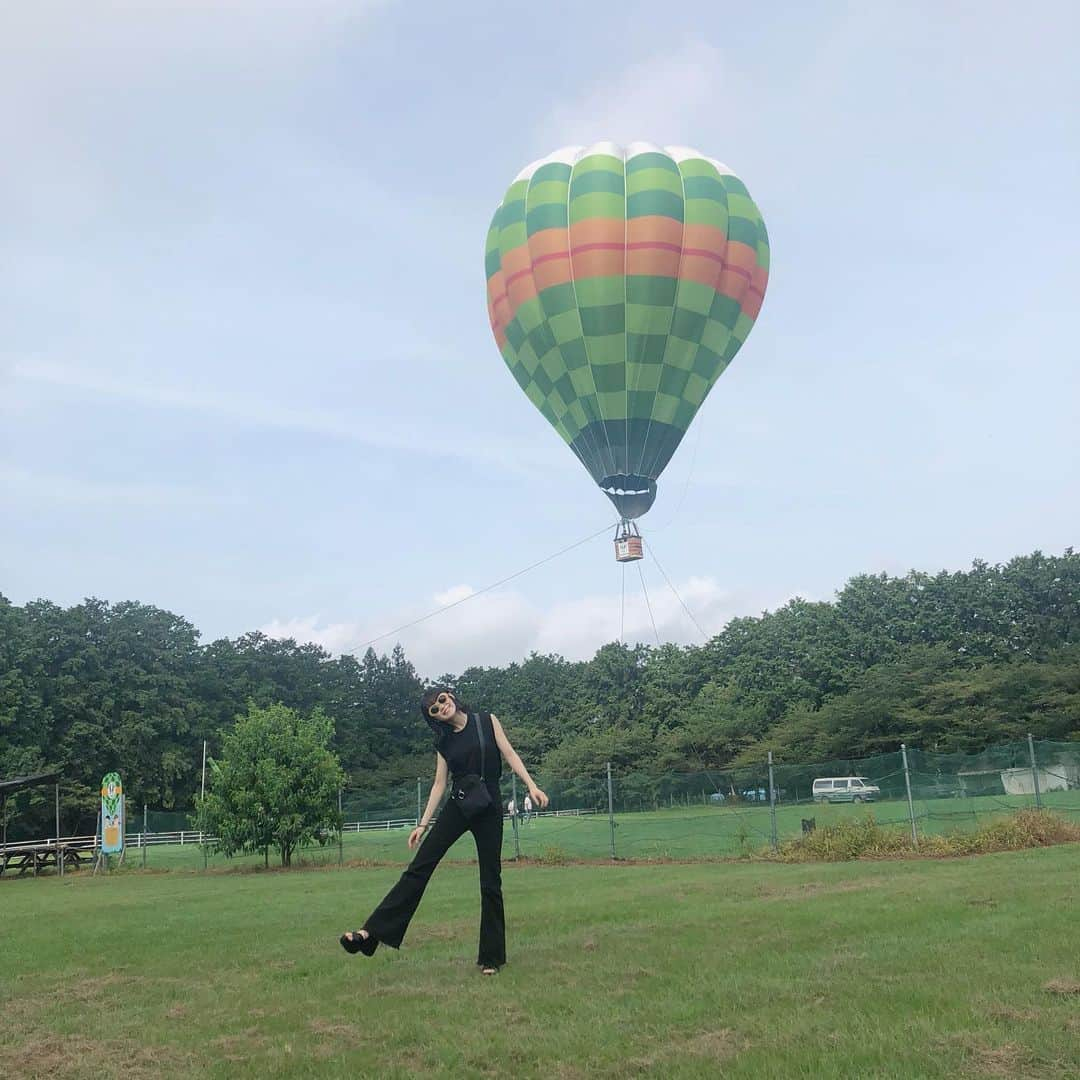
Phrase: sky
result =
(246, 372)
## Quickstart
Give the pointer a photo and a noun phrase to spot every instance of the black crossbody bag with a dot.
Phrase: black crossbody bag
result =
(470, 792)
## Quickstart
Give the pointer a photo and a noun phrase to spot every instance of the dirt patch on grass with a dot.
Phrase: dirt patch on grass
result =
(841, 958)
(717, 1046)
(1007, 1012)
(817, 888)
(72, 1057)
(1062, 986)
(451, 931)
(1008, 1059)
(240, 1046)
(563, 1070)
(337, 1030)
(78, 993)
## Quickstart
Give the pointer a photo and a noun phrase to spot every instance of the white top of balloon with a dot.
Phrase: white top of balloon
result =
(571, 155)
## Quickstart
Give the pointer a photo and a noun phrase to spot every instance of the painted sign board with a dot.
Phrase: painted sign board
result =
(112, 814)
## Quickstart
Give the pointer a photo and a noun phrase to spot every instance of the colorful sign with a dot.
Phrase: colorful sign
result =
(112, 814)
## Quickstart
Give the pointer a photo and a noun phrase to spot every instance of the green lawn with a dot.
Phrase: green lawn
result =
(681, 832)
(967, 967)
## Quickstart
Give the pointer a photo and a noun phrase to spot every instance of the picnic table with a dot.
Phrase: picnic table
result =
(31, 857)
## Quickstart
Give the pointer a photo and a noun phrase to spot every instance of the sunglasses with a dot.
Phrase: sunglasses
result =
(436, 706)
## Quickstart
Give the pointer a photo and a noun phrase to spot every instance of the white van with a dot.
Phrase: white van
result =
(845, 789)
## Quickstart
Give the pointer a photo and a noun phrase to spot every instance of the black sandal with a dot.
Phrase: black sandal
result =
(366, 945)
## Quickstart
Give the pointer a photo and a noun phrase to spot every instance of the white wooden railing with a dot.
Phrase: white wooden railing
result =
(193, 836)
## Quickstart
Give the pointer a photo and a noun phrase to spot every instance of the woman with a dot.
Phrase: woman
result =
(465, 744)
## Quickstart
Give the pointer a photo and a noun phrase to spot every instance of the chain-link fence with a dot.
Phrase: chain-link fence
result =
(687, 815)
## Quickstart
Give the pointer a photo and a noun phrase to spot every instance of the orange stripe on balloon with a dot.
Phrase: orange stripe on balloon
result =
(607, 247)
(653, 246)
(705, 238)
(740, 262)
(700, 268)
(520, 287)
(598, 247)
(549, 250)
(498, 302)
(755, 294)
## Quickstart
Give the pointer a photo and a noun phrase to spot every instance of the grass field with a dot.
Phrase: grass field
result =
(680, 833)
(967, 967)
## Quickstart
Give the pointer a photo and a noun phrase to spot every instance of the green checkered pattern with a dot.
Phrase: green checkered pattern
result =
(619, 364)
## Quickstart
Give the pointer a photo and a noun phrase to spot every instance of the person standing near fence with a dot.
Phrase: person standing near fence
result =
(469, 747)
(528, 809)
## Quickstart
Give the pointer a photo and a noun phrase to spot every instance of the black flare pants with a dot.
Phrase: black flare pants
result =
(389, 921)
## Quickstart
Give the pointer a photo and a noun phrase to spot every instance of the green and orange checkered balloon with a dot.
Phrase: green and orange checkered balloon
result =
(621, 282)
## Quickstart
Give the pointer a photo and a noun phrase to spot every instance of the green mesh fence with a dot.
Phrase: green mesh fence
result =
(720, 813)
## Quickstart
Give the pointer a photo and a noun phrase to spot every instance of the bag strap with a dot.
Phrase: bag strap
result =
(483, 744)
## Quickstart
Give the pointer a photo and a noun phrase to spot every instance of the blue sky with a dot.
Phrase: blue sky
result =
(246, 372)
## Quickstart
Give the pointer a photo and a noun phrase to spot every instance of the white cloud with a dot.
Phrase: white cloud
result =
(115, 38)
(454, 595)
(499, 627)
(52, 487)
(334, 637)
(245, 408)
(668, 98)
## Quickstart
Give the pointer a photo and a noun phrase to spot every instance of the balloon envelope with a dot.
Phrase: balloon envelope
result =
(621, 282)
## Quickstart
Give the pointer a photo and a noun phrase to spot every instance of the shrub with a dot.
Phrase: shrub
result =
(864, 838)
(551, 855)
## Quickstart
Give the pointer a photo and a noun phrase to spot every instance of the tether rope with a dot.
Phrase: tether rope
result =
(486, 588)
(641, 574)
(652, 552)
(622, 605)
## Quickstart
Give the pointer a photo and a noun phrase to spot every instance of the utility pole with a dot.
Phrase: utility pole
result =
(202, 801)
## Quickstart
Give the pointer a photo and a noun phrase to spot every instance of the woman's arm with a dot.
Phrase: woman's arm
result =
(515, 763)
(438, 788)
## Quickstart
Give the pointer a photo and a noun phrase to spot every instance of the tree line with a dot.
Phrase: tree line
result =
(949, 662)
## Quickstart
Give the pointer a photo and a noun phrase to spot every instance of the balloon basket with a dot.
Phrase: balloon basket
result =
(628, 543)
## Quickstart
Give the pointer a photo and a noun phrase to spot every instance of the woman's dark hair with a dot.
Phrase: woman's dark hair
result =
(429, 699)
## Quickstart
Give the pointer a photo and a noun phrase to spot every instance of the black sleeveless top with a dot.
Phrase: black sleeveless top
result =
(461, 749)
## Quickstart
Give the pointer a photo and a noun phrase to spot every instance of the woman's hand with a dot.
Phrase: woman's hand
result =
(538, 797)
(416, 836)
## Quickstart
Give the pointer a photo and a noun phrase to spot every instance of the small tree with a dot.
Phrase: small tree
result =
(275, 783)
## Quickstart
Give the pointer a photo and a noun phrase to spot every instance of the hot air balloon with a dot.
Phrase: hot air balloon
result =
(621, 282)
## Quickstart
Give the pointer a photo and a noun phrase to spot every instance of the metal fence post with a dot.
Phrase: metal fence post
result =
(1034, 772)
(910, 804)
(59, 850)
(514, 815)
(202, 804)
(419, 808)
(144, 835)
(340, 831)
(772, 805)
(611, 809)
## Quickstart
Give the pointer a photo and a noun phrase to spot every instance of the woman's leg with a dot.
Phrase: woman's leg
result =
(487, 829)
(389, 921)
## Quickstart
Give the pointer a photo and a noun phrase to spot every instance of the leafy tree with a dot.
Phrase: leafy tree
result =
(952, 661)
(613, 683)
(714, 729)
(275, 783)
